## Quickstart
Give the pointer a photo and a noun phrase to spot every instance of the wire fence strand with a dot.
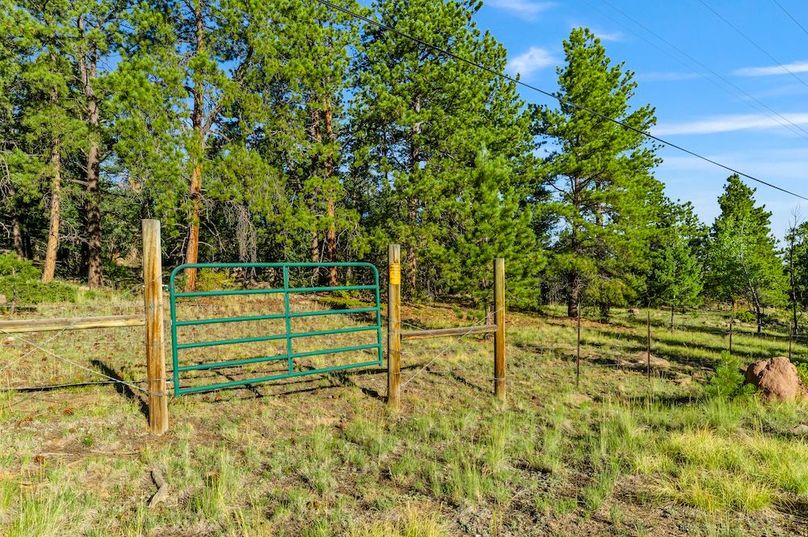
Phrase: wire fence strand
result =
(447, 348)
(78, 365)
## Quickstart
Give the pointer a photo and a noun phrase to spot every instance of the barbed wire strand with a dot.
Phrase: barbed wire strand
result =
(446, 349)
(31, 351)
(80, 366)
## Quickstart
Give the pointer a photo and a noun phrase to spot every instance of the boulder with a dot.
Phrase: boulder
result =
(776, 379)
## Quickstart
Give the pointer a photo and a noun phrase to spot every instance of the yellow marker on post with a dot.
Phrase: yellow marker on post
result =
(395, 273)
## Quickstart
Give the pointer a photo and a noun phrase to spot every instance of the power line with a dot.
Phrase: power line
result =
(586, 109)
(754, 43)
(790, 16)
(783, 121)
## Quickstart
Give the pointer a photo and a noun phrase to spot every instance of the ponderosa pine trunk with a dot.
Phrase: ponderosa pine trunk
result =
(573, 293)
(49, 268)
(88, 71)
(16, 226)
(16, 235)
(316, 138)
(192, 251)
(331, 213)
(758, 313)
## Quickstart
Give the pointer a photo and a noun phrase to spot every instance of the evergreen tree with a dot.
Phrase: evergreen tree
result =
(492, 224)
(796, 255)
(48, 132)
(675, 279)
(187, 60)
(742, 260)
(601, 172)
(419, 119)
(300, 68)
(96, 30)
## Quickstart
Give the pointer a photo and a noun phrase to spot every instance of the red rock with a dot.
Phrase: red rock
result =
(776, 379)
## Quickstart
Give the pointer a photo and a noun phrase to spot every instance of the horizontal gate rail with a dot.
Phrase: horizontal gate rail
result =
(287, 334)
(258, 380)
(275, 316)
(274, 291)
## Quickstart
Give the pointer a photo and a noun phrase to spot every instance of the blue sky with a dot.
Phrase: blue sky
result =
(728, 78)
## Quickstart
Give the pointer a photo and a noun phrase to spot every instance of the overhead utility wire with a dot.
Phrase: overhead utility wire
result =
(754, 43)
(783, 121)
(790, 16)
(595, 113)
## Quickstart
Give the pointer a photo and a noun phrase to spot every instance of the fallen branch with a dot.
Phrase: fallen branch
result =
(162, 488)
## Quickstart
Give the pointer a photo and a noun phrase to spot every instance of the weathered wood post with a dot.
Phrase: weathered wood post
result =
(648, 342)
(394, 327)
(499, 335)
(155, 336)
(731, 323)
(578, 346)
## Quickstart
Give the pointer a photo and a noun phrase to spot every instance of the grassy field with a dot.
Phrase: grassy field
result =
(317, 456)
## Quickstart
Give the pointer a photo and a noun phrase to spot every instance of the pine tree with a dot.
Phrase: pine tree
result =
(796, 255)
(96, 28)
(187, 61)
(493, 224)
(46, 108)
(675, 279)
(600, 171)
(742, 260)
(419, 119)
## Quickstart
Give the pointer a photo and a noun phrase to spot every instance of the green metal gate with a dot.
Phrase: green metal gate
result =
(287, 316)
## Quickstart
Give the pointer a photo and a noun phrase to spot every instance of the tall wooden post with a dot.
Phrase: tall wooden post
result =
(394, 326)
(648, 342)
(578, 345)
(791, 331)
(731, 323)
(499, 335)
(155, 336)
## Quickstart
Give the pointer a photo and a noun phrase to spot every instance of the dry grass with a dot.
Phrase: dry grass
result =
(322, 456)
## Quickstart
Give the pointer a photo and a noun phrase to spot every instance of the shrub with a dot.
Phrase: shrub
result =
(15, 266)
(802, 371)
(728, 380)
(35, 292)
(19, 282)
(214, 280)
(745, 316)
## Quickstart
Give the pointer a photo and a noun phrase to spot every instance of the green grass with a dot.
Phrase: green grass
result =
(616, 455)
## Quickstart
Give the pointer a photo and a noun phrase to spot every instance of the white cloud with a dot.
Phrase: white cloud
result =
(600, 34)
(609, 36)
(530, 61)
(796, 67)
(523, 8)
(666, 76)
(701, 182)
(780, 90)
(730, 123)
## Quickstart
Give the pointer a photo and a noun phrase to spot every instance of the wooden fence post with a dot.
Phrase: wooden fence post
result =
(648, 342)
(499, 336)
(155, 336)
(394, 326)
(731, 323)
(578, 345)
